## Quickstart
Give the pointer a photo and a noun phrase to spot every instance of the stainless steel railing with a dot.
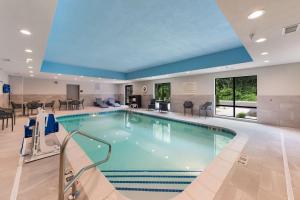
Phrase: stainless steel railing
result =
(62, 188)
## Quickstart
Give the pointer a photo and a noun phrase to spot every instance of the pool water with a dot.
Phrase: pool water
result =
(141, 142)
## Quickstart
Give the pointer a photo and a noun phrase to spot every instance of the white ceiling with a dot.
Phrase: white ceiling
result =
(37, 17)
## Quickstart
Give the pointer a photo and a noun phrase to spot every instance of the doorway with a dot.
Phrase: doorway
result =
(73, 92)
(128, 92)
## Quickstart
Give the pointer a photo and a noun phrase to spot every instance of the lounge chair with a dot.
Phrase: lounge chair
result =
(207, 107)
(112, 102)
(151, 106)
(100, 103)
(188, 105)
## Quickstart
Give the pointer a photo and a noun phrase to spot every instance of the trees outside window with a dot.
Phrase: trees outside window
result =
(236, 97)
(163, 92)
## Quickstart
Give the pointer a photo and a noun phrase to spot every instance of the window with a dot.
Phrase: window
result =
(163, 92)
(236, 97)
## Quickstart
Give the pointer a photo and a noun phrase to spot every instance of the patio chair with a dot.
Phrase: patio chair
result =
(100, 103)
(151, 106)
(188, 105)
(7, 113)
(81, 103)
(163, 107)
(62, 103)
(33, 106)
(50, 105)
(207, 107)
(74, 104)
(16, 106)
(112, 102)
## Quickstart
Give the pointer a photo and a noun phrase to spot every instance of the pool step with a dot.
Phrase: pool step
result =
(173, 181)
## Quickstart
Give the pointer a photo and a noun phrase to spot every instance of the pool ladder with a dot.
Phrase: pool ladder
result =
(72, 181)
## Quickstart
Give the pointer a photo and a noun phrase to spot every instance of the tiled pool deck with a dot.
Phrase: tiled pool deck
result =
(271, 170)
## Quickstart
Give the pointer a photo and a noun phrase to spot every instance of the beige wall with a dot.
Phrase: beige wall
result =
(28, 89)
(278, 92)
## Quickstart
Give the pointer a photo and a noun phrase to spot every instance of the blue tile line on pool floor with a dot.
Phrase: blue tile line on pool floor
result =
(147, 176)
(151, 171)
(154, 182)
(149, 189)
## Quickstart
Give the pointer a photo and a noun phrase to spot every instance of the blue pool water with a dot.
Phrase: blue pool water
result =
(141, 142)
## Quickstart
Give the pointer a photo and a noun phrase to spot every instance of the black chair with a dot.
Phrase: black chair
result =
(74, 104)
(33, 106)
(16, 106)
(62, 103)
(163, 107)
(207, 107)
(7, 113)
(50, 105)
(81, 103)
(188, 105)
(151, 106)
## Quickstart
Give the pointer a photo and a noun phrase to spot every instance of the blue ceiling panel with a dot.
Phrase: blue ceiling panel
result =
(129, 36)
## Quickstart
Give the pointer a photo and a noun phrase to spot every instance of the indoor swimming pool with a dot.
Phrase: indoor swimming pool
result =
(148, 153)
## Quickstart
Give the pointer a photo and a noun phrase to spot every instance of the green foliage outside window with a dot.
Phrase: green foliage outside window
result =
(163, 92)
(245, 89)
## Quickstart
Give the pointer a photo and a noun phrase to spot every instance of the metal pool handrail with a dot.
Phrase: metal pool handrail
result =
(62, 188)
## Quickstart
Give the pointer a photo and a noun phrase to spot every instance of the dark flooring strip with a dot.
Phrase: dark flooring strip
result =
(148, 176)
(149, 189)
(148, 171)
(153, 182)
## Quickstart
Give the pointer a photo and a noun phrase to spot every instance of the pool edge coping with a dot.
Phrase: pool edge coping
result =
(206, 184)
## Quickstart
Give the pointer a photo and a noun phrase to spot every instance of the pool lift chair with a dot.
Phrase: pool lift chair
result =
(38, 127)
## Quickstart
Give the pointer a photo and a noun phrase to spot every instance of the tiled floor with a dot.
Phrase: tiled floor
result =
(262, 177)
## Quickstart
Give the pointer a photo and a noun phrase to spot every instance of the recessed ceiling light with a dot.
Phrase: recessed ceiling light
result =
(25, 32)
(28, 60)
(31, 71)
(99, 78)
(30, 67)
(59, 74)
(259, 40)
(264, 53)
(266, 61)
(81, 76)
(256, 14)
(32, 75)
(28, 50)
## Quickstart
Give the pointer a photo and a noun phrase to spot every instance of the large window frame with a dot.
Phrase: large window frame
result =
(234, 105)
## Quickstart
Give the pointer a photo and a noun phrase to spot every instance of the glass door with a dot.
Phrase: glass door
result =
(128, 92)
(236, 97)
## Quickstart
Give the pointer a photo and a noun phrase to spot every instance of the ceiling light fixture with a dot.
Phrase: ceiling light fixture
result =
(31, 72)
(59, 74)
(266, 61)
(99, 78)
(25, 32)
(81, 76)
(260, 40)
(30, 67)
(264, 53)
(28, 50)
(256, 14)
